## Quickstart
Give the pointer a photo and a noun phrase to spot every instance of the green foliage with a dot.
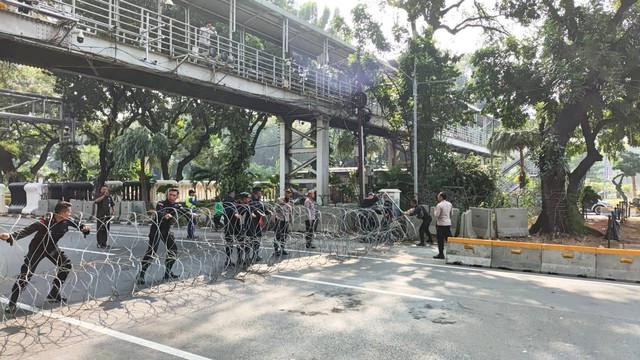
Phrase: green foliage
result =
(466, 172)
(69, 154)
(397, 178)
(550, 156)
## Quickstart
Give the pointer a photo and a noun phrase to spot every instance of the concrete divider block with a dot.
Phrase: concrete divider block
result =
(516, 256)
(88, 209)
(77, 207)
(139, 208)
(116, 213)
(43, 208)
(469, 251)
(466, 228)
(618, 264)
(482, 222)
(34, 193)
(569, 260)
(512, 222)
(126, 210)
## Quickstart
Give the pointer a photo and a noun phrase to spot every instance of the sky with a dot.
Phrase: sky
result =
(466, 41)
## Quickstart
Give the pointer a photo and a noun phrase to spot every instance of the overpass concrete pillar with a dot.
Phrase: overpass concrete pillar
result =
(322, 159)
(285, 154)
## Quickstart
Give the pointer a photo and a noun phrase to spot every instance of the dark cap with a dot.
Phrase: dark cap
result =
(256, 189)
(289, 190)
(370, 194)
(244, 195)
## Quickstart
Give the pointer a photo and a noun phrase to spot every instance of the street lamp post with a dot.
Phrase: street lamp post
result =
(415, 132)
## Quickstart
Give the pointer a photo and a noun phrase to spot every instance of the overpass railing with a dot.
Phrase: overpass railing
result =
(131, 24)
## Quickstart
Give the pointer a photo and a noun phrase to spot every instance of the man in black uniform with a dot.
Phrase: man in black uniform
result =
(167, 211)
(105, 209)
(422, 213)
(233, 228)
(49, 229)
(258, 216)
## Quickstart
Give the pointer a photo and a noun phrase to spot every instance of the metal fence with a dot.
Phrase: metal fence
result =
(149, 29)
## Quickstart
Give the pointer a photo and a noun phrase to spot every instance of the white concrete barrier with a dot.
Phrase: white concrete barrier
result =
(46, 206)
(3, 206)
(512, 222)
(482, 223)
(34, 193)
(569, 260)
(469, 251)
(159, 196)
(126, 210)
(466, 228)
(139, 208)
(618, 264)
(77, 208)
(516, 256)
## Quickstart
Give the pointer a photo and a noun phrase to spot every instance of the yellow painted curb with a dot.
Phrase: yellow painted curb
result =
(516, 244)
(618, 252)
(469, 241)
(569, 248)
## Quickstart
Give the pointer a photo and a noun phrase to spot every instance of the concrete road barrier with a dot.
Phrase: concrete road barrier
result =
(482, 222)
(469, 251)
(618, 264)
(569, 260)
(512, 222)
(516, 255)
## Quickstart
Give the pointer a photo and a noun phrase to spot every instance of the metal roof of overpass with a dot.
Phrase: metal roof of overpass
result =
(263, 19)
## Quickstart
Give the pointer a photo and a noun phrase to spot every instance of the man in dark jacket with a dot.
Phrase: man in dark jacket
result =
(422, 213)
(105, 208)
(167, 212)
(259, 213)
(48, 231)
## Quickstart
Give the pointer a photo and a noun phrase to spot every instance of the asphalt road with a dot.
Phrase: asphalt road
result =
(392, 304)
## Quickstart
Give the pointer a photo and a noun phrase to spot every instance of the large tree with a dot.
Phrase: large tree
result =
(25, 147)
(103, 112)
(579, 74)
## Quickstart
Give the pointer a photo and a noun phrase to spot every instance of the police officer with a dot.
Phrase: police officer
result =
(284, 216)
(234, 213)
(422, 213)
(105, 210)
(49, 229)
(191, 203)
(167, 211)
(259, 213)
(311, 224)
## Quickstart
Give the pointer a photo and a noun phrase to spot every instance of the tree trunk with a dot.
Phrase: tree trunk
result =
(618, 186)
(164, 166)
(554, 216)
(144, 196)
(44, 155)
(6, 162)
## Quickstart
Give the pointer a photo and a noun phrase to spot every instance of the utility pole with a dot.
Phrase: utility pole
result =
(415, 131)
(360, 100)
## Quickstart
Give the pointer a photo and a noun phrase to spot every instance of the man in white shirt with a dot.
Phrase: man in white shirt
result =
(207, 32)
(442, 213)
(310, 223)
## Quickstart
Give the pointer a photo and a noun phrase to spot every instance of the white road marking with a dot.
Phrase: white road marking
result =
(421, 297)
(113, 333)
(87, 251)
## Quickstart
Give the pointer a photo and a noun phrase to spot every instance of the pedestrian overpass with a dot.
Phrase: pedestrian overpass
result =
(297, 72)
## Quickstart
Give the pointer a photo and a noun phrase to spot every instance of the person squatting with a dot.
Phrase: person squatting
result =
(48, 231)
